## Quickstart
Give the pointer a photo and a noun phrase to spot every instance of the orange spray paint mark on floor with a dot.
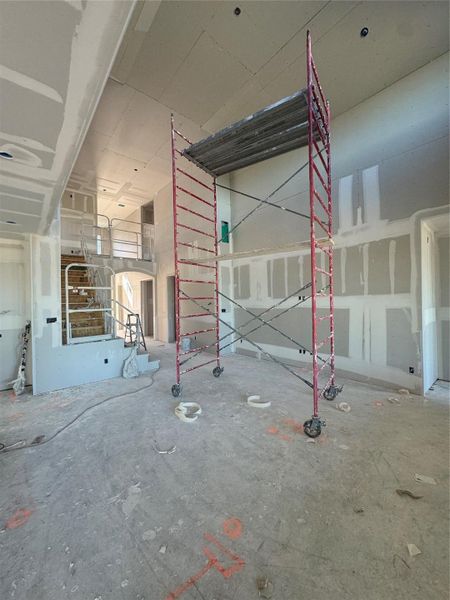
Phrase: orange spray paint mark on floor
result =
(19, 518)
(233, 526)
(272, 430)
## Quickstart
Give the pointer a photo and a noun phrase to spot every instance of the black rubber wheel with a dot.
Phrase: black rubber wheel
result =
(176, 390)
(217, 371)
(312, 429)
(330, 393)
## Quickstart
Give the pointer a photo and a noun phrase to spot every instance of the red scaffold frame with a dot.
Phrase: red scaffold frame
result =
(302, 119)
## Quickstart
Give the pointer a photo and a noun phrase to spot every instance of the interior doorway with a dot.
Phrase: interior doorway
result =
(135, 292)
(435, 300)
(147, 307)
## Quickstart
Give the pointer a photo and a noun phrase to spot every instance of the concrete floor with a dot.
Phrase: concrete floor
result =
(96, 513)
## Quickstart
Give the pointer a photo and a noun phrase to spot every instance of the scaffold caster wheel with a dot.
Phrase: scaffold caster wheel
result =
(313, 427)
(176, 390)
(217, 371)
(332, 392)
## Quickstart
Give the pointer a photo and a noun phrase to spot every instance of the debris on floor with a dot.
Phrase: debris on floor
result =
(256, 402)
(163, 549)
(393, 400)
(344, 407)
(425, 479)
(408, 493)
(359, 510)
(413, 550)
(310, 441)
(265, 587)
(404, 391)
(188, 412)
(170, 450)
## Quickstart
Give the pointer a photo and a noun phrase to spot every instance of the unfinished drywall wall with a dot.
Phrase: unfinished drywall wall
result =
(390, 165)
(443, 302)
(14, 307)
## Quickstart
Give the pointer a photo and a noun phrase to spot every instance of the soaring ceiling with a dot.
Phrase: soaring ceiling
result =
(55, 58)
(195, 58)
(213, 67)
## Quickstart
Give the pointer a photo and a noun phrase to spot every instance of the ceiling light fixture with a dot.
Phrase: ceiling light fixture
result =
(11, 222)
(135, 169)
(6, 155)
(121, 205)
(237, 11)
(364, 32)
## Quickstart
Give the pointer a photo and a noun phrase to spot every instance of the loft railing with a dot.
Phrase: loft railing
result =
(99, 235)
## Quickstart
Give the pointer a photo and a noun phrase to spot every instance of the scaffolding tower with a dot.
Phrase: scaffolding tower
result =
(300, 120)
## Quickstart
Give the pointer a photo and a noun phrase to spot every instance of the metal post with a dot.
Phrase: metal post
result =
(330, 255)
(312, 230)
(175, 254)
(216, 291)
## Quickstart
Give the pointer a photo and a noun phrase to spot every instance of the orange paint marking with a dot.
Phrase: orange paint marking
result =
(295, 425)
(213, 563)
(273, 430)
(232, 528)
(378, 403)
(19, 518)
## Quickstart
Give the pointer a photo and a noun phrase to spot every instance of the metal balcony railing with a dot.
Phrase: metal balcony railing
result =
(97, 234)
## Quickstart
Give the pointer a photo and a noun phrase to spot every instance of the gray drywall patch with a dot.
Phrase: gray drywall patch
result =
(46, 264)
(402, 273)
(400, 343)
(444, 270)
(337, 272)
(378, 280)
(297, 324)
(269, 278)
(279, 279)
(293, 274)
(244, 282)
(354, 284)
(445, 349)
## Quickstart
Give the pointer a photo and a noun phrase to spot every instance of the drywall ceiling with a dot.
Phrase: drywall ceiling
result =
(54, 60)
(211, 67)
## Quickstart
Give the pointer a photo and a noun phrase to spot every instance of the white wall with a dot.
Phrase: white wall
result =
(390, 169)
(14, 307)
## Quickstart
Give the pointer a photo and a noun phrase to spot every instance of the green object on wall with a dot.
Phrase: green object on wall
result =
(225, 236)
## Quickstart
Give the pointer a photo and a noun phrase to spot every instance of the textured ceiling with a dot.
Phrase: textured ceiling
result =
(54, 60)
(212, 67)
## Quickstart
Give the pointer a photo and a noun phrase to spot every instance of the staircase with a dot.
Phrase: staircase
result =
(85, 324)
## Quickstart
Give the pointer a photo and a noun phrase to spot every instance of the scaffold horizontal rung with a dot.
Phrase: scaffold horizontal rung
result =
(199, 298)
(183, 226)
(196, 315)
(195, 247)
(196, 181)
(206, 281)
(324, 341)
(195, 264)
(194, 212)
(182, 189)
(197, 366)
(189, 333)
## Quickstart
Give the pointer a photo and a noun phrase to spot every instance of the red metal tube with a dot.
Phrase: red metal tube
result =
(196, 281)
(196, 230)
(196, 264)
(198, 366)
(216, 248)
(182, 136)
(311, 229)
(198, 332)
(195, 247)
(182, 189)
(195, 179)
(175, 254)
(330, 256)
(193, 212)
